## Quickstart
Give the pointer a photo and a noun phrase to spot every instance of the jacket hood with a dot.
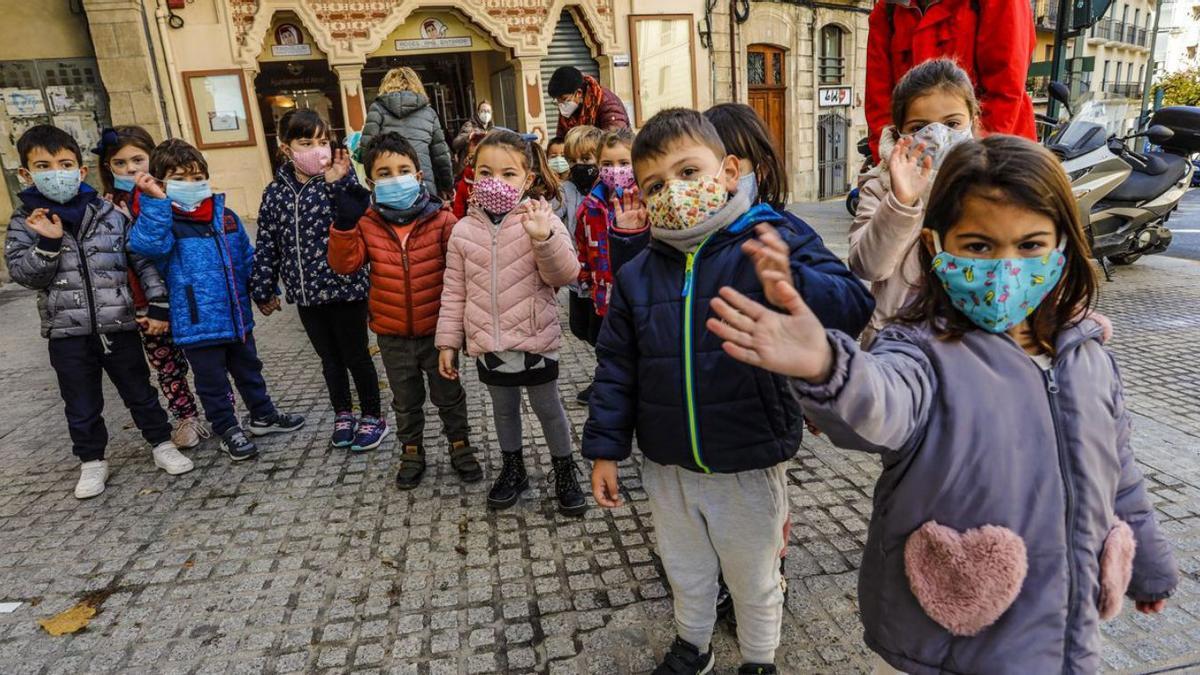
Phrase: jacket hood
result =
(402, 103)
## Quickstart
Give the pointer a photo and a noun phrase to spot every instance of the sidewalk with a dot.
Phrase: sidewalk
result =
(310, 560)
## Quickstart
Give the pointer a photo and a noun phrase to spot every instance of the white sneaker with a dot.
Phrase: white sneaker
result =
(188, 433)
(167, 458)
(91, 479)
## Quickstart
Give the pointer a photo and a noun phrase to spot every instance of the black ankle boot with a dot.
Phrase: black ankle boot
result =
(511, 482)
(571, 501)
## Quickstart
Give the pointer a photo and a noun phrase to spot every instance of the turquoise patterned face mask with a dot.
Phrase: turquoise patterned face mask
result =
(998, 293)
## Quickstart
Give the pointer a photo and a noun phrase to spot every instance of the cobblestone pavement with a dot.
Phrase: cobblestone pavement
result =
(310, 560)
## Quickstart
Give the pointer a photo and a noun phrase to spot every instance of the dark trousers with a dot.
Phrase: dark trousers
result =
(338, 333)
(584, 322)
(212, 366)
(79, 362)
(409, 362)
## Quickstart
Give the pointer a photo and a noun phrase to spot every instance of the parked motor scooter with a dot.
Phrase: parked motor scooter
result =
(852, 198)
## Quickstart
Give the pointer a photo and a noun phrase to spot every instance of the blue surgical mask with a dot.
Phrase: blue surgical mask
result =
(397, 192)
(998, 293)
(58, 185)
(123, 183)
(188, 194)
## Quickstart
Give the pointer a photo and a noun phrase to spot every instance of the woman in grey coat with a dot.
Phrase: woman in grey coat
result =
(402, 106)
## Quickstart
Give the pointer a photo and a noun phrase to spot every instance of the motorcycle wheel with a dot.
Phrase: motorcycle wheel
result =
(1124, 259)
(852, 202)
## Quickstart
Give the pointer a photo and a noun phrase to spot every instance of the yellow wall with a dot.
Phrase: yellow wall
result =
(43, 30)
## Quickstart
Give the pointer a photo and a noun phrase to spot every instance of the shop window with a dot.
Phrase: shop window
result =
(663, 65)
(831, 64)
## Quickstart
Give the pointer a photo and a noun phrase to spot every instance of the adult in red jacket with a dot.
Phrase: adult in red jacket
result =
(582, 101)
(993, 40)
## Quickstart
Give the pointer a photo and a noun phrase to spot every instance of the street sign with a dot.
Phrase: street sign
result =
(829, 97)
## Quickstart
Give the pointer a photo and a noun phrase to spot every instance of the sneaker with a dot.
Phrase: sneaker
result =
(168, 458)
(412, 467)
(511, 482)
(91, 479)
(237, 446)
(685, 659)
(343, 430)
(571, 501)
(371, 431)
(757, 669)
(280, 423)
(189, 433)
(462, 458)
(584, 396)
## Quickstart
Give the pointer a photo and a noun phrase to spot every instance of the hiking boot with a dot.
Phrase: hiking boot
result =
(371, 431)
(685, 659)
(584, 396)
(511, 482)
(757, 669)
(237, 446)
(412, 467)
(92, 476)
(189, 433)
(168, 458)
(344, 426)
(462, 458)
(571, 501)
(277, 424)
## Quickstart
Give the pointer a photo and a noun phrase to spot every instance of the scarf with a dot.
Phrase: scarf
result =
(687, 241)
(71, 213)
(592, 97)
(201, 214)
(425, 204)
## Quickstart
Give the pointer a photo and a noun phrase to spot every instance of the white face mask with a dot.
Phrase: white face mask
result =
(939, 140)
(567, 108)
(485, 117)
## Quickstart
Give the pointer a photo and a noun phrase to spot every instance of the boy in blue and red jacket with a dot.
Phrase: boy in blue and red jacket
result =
(715, 433)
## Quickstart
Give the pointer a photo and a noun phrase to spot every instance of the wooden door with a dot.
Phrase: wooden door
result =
(766, 78)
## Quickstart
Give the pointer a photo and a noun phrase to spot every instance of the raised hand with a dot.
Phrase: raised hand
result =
(448, 363)
(911, 171)
(769, 253)
(629, 211)
(149, 185)
(270, 306)
(45, 224)
(791, 343)
(605, 484)
(339, 166)
(536, 219)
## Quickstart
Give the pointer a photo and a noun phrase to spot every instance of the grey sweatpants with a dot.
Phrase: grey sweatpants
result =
(707, 524)
(546, 404)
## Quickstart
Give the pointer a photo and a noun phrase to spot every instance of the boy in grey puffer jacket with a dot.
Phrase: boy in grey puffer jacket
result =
(403, 107)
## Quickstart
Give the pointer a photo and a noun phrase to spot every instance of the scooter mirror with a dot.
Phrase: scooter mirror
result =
(1059, 92)
(1158, 134)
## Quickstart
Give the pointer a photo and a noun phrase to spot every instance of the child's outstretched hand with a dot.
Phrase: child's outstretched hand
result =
(149, 185)
(448, 363)
(270, 306)
(911, 170)
(45, 224)
(339, 166)
(604, 483)
(536, 219)
(792, 343)
(629, 211)
(1151, 607)
(769, 253)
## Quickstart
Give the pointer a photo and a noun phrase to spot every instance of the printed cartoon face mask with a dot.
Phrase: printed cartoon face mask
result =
(312, 161)
(682, 205)
(998, 293)
(617, 177)
(59, 185)
(495, 196)
(397, 192)
(939, 140)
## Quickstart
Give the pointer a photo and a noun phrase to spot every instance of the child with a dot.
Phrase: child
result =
(715, 434)
(466, 181)
(581, 146)
(123, 152)
(204, 251)
(933, 109)
(403, 236)
(1041, 487)
(503, 264)
(83, 300)
(293, 244)
(556, 158)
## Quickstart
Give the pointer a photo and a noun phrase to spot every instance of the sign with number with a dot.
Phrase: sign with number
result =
(828, 97)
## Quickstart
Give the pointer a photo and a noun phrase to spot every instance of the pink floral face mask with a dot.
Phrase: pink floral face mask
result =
(617, 177)
(682, 205)
(495, 196)
(312, 161)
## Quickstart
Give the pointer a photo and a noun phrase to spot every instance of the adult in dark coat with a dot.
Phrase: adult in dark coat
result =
(582, 101)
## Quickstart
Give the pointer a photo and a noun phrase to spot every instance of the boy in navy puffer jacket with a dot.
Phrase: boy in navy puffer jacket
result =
(714, 432)
(205, 254)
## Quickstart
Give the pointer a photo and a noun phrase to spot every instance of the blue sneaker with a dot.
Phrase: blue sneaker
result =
(343, 430)
(371, 431)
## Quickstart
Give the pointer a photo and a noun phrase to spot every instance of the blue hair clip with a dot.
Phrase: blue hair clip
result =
(108, 139)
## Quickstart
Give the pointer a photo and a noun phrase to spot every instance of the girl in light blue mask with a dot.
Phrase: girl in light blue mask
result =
(1010, 517)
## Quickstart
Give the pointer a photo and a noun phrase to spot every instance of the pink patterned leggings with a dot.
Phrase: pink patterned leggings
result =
(172, 369)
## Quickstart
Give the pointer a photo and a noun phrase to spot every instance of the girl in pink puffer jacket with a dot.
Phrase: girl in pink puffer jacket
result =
(504, 263)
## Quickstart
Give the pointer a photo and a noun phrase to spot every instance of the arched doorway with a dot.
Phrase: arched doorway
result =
(832, 131)
(766, 80)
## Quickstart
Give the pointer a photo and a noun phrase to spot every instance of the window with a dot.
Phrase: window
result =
(1118, 78)
(1049, 53)
(663, 68)
(1104, 80)
(831, 65)
(1142, 73)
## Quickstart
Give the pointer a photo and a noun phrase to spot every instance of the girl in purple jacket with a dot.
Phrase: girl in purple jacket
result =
(1010, 517)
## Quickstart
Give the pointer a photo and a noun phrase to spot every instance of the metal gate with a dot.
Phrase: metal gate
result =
(833, 130)
(567, 48)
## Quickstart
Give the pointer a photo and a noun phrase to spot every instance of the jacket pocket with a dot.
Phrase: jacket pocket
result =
(1116, 569)
(533, 324)
(193, 308)
(965, 581)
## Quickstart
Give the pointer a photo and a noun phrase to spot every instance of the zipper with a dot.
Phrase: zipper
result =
(407, 284)
(1064, 465)
(81, 252)
(235, 307)
(296, 227)
(689, 393)
(495, 293)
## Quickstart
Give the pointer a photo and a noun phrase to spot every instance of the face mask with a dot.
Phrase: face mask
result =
(58, 185)
(485, 117)
(312, 161)
(998, 293)
(939, 140)
(559, 164)
(495, 196)
(682, 205)
(584, 176)
(567, 108)
(397, 192)
(188, 194)
(123, 183)
(617, 177)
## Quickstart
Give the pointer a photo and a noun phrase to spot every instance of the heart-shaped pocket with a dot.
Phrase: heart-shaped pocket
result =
(1116, 569)
(965, 581)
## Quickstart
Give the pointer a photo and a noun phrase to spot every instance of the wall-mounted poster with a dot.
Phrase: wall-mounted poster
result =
(219, 108)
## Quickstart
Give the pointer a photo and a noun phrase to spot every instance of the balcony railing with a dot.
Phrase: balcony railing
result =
(1124, 89)
(1045, 13)
(1103, 29)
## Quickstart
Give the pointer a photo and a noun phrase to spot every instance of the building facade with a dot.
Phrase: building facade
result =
(1178, 36)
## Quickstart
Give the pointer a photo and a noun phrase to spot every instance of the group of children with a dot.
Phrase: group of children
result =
(1010, 516)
